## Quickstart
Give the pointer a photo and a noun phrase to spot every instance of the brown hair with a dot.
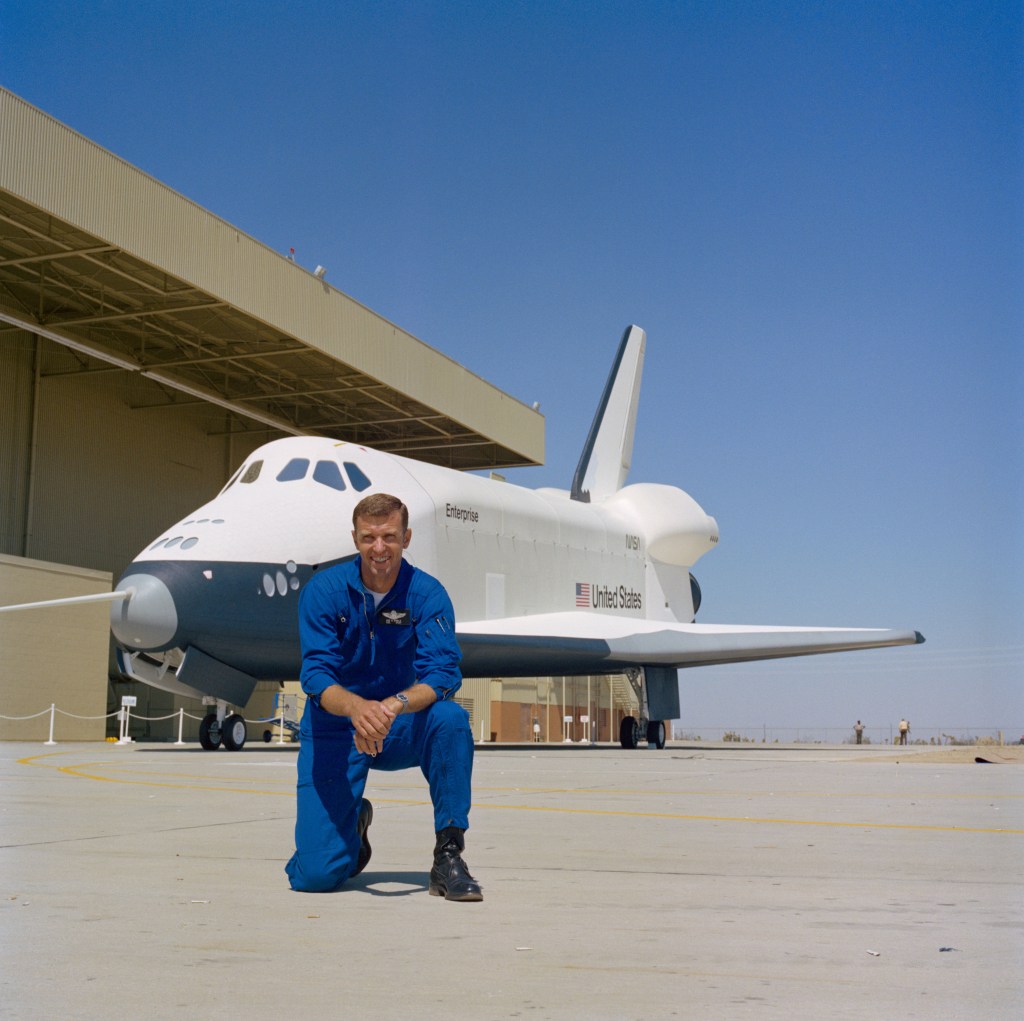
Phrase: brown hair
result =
(380, 505)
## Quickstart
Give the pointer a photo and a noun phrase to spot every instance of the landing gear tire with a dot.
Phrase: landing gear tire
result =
(656, 734)
(209, 733)
(267, 736)
(234, 733)
(629, 732)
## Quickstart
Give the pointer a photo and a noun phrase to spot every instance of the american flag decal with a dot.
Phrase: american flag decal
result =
(582, 593)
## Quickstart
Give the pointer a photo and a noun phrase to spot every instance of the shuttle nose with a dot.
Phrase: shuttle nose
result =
(148, 618)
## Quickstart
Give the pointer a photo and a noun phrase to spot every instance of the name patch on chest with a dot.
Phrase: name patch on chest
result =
(395, 617)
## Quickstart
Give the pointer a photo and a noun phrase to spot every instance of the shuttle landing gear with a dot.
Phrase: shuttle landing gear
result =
(632, 730)
(656, 734)
(220, 727)
(209, 732)
(234, 733)
(629, 732)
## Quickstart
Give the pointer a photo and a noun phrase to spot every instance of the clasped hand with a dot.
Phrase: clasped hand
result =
(372, 721)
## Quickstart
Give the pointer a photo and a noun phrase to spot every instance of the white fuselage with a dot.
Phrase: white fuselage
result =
(500, 550)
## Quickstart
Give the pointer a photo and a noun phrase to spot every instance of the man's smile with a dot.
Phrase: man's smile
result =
(380, 543)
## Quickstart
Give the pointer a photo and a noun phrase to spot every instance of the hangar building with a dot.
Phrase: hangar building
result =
(146, 348)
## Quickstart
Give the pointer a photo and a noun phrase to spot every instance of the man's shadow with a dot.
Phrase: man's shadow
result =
(370, 882)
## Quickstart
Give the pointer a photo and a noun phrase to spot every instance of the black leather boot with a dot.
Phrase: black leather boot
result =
(450, 878)
(362, 828)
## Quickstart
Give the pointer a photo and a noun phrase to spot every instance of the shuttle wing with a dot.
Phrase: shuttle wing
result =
(581, 643)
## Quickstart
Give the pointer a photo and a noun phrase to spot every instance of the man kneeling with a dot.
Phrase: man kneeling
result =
(380, 664)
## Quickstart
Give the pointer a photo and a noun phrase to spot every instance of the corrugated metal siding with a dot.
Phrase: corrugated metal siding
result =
(109, 478)
(17, 372)
(46, 662)
(46, 163)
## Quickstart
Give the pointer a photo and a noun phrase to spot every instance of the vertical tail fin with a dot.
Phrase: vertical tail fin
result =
(608, 452)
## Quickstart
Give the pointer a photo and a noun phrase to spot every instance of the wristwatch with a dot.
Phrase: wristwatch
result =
(404, 699)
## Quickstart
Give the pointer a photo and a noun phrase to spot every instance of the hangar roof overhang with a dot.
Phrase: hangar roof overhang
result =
(127, 275)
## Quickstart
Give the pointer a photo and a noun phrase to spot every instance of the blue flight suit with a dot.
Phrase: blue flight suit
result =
(374, 652)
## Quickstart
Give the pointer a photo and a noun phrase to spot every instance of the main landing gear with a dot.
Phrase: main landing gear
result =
(632, 730)
(221, 727)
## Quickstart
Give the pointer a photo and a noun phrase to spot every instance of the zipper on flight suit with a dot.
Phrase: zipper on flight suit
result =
(370, 618)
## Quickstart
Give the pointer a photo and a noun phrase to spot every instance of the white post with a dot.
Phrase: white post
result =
(125, 712)
(181, 724)
(547, 715)
(590, 730)
(127, 701)
(53, 711)
(280, 733)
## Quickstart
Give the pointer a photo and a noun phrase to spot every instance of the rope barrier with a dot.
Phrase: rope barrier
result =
(106, 716)
(124, 716)
(116, 712)
(153, 719)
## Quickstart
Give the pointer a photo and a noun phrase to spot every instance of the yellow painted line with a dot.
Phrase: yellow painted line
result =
(754, 819)
(192, 776)
(78, 771)
(577, 791)
(647, 792)
(30, 760)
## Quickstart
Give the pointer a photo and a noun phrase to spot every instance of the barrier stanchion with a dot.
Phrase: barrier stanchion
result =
(181, 724)
(127, 701)
(280, 733)
(53, 712)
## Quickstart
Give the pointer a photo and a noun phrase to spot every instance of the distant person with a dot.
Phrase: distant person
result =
(380, 664)
(858, 729)
(904, 731)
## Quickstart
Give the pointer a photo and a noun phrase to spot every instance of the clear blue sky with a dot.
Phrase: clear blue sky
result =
(814, 209)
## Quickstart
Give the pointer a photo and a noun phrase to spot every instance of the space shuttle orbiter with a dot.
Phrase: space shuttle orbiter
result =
(591, 580)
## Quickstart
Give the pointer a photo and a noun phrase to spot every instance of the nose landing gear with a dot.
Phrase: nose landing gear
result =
(220, 727)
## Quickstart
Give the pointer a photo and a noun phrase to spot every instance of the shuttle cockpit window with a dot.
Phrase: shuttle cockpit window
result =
(327, 473)
(295, 469)
(356, 477)
(252, 473)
